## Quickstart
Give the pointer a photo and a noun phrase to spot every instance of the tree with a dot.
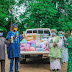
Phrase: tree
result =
(49, 14)
(5, 5)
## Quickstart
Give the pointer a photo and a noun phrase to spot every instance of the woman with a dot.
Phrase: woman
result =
(64, 49)
(69, 46)
(55, 44)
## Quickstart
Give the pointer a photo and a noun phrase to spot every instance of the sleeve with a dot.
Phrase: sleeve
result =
(49, 42)
(68, 42)
(7, 42)
(65, 38)
(19, 36)
(59, 44)
(8, 35)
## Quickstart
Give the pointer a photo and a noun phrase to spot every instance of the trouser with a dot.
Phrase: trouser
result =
(2, 65)
(16, 64)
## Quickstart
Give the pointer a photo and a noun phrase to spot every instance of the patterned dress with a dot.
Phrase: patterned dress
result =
(55, 52)
(69, 68)
(64, 51)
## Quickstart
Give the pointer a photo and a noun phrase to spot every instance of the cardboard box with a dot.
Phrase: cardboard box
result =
(32, 36)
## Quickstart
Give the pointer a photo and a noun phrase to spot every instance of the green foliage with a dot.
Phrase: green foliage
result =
(5, 5)
(43, 12)
(67, 34)
(46, 13)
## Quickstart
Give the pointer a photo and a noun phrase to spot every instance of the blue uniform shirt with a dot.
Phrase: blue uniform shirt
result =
(13, 50)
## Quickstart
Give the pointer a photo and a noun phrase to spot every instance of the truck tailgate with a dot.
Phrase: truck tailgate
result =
(33, 52)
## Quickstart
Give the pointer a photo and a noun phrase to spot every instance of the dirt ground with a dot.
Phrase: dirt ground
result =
(34, 66)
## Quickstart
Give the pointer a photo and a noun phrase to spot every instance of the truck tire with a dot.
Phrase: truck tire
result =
(40, 56)
(48, 60)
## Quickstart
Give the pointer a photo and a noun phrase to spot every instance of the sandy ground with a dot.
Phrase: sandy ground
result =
(33, 66)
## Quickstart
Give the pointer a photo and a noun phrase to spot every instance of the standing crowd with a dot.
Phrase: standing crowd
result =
(58, 52)
(12, 40)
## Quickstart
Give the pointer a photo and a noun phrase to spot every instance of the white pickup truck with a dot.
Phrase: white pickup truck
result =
(44, 35)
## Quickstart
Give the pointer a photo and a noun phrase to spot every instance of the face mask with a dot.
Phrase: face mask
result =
(1, 34)
(60, 34)
(53, 34)
(15, 29)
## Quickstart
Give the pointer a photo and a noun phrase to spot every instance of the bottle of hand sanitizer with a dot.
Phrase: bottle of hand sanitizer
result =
(11, 39)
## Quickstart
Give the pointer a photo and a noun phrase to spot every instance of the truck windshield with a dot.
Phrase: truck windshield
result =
(40, 31)
(30, 31)
(34, 31)
(47, 32)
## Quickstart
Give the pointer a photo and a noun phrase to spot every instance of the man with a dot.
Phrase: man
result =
(3, 41)
(55, 44)
(13, 50)
(64, 51)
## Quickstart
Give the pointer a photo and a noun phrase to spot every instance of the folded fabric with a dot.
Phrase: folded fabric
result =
(37, 44)
(33, 45)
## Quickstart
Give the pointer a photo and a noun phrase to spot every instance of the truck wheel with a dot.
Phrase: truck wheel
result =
(48, 60)
(40, 56)
(23, 61)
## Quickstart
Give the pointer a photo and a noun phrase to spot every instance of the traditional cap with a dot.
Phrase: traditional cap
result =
(60, 32)
(54, 30)
(13, 25)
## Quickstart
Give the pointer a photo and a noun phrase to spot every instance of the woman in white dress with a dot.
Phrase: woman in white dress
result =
(64, 49)
(55, 44)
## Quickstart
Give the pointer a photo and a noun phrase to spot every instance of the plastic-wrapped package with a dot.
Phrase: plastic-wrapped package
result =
(38, 43)
(26, 48)
(22, 48)
(29, 42)
(31, 49)
(44, 46)
(24, 41)
(33, 45)
(40, 49)
(46, 49)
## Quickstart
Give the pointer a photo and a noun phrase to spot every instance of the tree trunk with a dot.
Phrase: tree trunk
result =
(11, 20)
(39, 24)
